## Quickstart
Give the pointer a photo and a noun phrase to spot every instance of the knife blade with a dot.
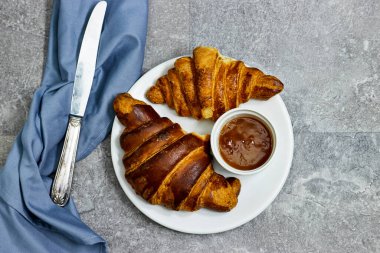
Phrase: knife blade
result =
(84, 75)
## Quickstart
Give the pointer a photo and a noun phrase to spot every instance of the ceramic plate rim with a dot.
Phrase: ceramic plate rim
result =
(136, 200)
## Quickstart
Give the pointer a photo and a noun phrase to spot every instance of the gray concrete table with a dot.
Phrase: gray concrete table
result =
(328, 55)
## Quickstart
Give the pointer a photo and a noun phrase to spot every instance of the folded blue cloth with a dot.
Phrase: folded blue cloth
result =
(29, 220)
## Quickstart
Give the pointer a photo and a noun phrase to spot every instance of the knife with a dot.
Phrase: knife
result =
(84, 75)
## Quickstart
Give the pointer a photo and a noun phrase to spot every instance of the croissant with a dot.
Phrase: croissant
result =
(209, 84)
(167, 166)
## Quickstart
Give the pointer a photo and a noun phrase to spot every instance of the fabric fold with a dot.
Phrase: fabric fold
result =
(29, 220)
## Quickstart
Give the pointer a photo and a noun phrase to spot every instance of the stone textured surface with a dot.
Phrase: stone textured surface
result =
(328, 55)
(168, 31)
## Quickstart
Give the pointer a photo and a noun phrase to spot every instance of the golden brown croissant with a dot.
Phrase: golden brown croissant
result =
(209, 84)
(167, 166)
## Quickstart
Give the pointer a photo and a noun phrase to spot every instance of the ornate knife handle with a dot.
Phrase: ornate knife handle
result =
(60, 192)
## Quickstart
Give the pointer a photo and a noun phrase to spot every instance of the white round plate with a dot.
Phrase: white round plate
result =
(257, 191)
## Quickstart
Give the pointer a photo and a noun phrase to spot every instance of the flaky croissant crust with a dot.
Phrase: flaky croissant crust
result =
(209, 84)
(167, 166)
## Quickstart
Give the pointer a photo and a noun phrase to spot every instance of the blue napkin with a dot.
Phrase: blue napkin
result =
(29, 220)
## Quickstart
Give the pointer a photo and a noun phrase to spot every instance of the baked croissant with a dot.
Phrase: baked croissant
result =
(167, 166)
(209, 84)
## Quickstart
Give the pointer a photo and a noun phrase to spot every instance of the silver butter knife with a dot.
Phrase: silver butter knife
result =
(84, 75)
